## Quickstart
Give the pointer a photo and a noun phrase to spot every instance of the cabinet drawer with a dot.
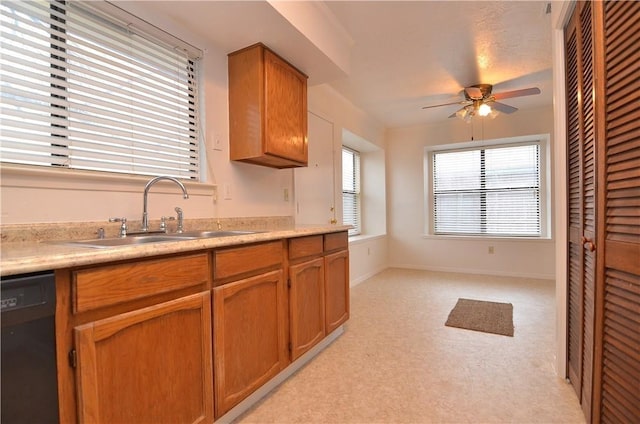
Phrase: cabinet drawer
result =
(98, 287)
(305, 246)
(334, 241)
(246, 259)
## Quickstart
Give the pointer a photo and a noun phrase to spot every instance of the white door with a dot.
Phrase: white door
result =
(314, 185)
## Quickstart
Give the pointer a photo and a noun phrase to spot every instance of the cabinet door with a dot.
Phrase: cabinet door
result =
(336, 289)
(249, 336)
(149, 365)
(285, 110)
(306, 305)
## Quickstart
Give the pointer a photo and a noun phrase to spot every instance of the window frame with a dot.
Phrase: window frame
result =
(356, 192)
(119, 17)
(543, 140)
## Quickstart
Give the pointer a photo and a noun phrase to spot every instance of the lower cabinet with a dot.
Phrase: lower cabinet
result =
(185, 338)
(151, 365)
(306, 305)
(336, 289)
(249, 326)
(318, 288)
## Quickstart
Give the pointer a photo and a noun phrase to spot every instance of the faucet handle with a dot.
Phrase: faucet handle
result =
(163, 222)
(123, 225)
(180, 228)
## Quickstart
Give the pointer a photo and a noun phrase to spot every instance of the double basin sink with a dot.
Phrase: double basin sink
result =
(153, 238)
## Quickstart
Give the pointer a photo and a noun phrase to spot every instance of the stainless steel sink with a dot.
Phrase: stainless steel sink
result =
(152, 238)
(214, 233)
(125, 241)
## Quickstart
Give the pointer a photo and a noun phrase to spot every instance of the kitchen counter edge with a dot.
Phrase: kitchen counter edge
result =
(26, 257)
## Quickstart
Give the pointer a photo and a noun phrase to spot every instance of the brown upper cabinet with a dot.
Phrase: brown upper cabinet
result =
(267, 109)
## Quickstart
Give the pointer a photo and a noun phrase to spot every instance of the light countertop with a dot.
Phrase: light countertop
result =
(32, 256)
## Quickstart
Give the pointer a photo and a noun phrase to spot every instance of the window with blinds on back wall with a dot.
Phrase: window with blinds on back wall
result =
(351, 190)
(84, 90)
(487, 191)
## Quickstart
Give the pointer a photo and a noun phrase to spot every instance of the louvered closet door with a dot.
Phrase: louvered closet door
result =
(619, 356)
(582, 203)
(574, 177)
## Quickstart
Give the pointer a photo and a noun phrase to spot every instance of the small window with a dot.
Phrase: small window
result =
(351, 190)
(487, 191)
(82, 89)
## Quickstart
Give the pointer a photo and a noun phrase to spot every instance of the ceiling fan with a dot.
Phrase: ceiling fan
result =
(480, 101)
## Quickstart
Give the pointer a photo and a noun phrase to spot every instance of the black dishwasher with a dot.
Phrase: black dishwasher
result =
(29, 387)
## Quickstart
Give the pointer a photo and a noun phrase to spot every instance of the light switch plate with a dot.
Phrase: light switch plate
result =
(216, 141)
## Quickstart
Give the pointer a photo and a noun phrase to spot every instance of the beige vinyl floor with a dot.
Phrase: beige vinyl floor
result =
(398, 363)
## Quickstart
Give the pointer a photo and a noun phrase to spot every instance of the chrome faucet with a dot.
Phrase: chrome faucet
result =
(145, 217)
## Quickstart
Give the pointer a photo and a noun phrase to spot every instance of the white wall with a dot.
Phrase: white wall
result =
(367, 257)
(406, 207)
(73, 197)
(45, 196)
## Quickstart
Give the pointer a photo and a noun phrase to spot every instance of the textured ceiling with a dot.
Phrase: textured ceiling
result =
(403, 55)
(411, 54)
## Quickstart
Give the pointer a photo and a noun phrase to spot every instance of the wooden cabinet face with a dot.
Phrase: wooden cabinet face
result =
(109, 285)
(337, 289)
(267, 109)
(286, 110)
(150, 365)
(306, 306)
(249, 336)
(236, 262)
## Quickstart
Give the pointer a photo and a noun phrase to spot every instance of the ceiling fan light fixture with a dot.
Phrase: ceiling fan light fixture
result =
(480, 101)
(466, 113)
(484, 109)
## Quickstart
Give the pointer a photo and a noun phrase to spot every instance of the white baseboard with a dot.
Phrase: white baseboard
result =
(366, 276)
(476, 271)
(253, 398)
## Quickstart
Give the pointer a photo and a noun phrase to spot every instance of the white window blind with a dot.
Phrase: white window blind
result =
(83, 90)
(351, 190)
(487, 191)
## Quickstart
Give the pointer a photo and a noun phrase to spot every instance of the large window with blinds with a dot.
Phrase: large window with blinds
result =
(86, 86)
(487, 191)
(351, 202)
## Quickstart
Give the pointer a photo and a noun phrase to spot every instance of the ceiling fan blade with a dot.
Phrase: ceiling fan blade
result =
(501, 107)
(442, 104)
(473, 93)
(516, 93)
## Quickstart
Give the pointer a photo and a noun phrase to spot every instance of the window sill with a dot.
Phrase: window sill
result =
(481, 238)
(362, 238)
(71, 179)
